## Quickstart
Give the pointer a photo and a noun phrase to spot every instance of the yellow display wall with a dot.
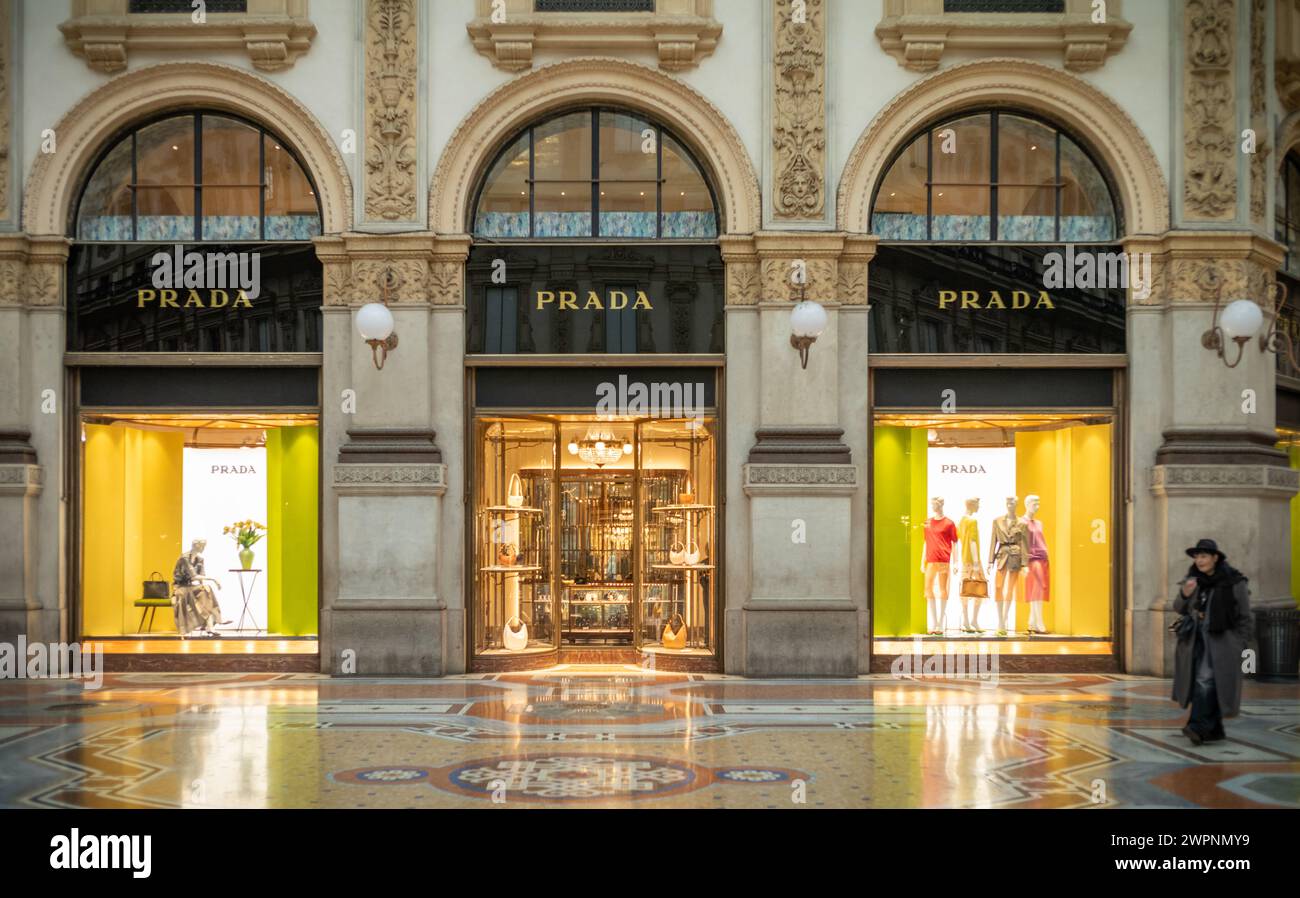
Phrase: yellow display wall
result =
(132, 523)
(1070, 471)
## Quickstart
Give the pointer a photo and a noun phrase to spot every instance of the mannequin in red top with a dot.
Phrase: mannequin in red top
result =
(937, 563)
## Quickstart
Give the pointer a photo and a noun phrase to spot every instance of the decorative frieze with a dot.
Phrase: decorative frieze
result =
(1206, 266)
(31, 270)
(392, 79)
(1258, 117)
(1209, 111)
(1228, 481)
(21, 480)
(1286, 55)
(390, 479)
(799, 110)
(800, 479)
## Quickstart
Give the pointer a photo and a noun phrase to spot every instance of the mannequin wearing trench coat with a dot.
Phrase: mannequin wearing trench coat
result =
(1225, 652)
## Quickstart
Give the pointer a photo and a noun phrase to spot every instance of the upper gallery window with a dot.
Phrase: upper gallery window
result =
(1057, 6)
(198, 176)
(186, 6)
(994, 176)
(593, 5)
(1287, 212)
(597, 173)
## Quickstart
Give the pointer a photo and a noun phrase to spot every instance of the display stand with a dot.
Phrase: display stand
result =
(246, 591)
(694, 518)
(503, 515)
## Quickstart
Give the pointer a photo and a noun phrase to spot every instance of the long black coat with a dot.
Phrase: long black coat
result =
(1225, 653)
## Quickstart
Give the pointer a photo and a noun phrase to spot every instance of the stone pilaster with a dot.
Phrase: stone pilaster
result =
(1202, 434)
(391, 528)
(798, 114)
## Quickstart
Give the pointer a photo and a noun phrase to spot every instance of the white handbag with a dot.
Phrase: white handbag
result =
(676, 553)
(692, 555)
(515, 635)
(515, 494)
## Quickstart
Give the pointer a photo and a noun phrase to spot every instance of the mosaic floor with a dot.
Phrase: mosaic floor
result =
(614, 737)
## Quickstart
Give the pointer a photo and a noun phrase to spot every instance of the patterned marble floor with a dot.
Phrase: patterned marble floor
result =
(620, 736)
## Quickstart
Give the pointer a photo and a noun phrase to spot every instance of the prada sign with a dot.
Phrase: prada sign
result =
(993, 299)
(567, 300)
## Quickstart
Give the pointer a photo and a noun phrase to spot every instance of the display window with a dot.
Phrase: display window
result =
(993, 525)
(594, 532)
(199, 525)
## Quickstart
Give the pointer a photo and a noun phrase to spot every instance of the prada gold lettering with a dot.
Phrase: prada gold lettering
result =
(615, 300)
(194, 299)
(974, 301)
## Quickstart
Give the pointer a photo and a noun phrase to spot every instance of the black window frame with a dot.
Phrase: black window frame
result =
(196, 115)
(596, 180)
(994, 112)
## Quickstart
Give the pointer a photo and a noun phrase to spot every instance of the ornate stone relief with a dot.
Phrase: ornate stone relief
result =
(802, 475)
(1226, 479)
(431, 475)
(104, 31)
(777, 284)
(742, 283)
(1286, 44)
(392, 77)
(31, 271)
(799, 111)
(1258, 116)
(6, 75)
(1209, 133)
(444, 283)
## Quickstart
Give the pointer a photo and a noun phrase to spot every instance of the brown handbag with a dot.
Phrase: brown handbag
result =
(974, 588)
(674, 639)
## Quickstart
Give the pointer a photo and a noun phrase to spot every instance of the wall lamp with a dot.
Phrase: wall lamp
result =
(1240, 320)
(375, 322)
(807, 322)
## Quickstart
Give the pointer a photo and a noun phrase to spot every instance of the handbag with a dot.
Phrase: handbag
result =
(974, 588)
(515, 493)
(1184, 627)
(674, 638)
(677, 553)
(692, 553)
(155, 587)
(515, 635)
(507, 555)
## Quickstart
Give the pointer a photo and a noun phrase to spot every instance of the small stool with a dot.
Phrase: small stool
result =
(150, 607)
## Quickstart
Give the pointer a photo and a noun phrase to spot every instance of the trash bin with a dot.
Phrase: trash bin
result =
(1278, 634)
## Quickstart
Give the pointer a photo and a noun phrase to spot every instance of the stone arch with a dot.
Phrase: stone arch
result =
(82, 132)
(1070, 102)
(590, 80)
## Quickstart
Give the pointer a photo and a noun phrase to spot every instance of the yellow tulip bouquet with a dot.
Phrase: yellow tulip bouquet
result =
(246, 533)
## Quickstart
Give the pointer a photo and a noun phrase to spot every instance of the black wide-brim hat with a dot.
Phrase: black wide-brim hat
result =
(1205, 545)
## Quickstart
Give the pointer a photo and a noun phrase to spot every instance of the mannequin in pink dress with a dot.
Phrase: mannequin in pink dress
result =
(1038, 576)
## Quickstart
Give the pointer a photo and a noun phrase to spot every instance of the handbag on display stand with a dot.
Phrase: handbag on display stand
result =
(677, 553)
(515, 493)
(692, 555)
(515, 635)
(674, 636)
(507, 555)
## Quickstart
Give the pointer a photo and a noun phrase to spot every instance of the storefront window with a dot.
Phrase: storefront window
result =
(995, 176)
(993, 525)
(594, 532)
(166, 502)
(602, 173)
(198, 176)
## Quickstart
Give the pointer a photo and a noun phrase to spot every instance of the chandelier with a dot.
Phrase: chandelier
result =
(600, 449)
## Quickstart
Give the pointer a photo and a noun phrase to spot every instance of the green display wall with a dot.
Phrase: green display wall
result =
(292, 503)
(898, 494)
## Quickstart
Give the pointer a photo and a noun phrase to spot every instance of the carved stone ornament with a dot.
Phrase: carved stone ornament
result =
(1209, 134)
(104, 32)
(742, 283)
(799, 110)
(6, 76)
(778, 284)
(31, 270)
(1258, 116)
(392, 75)
(1223, 480)
(390, 479)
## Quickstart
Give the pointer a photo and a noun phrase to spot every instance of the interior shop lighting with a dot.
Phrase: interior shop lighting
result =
(375, 322)
(600, 449)
(1239, 322)
(807, 322)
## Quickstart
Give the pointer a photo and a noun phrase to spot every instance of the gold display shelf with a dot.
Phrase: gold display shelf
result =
(682, 567)
(508, 509)
(510, 568)
(666, 508)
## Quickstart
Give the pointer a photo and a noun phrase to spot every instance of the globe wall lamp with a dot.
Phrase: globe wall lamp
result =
(807, 322)
(375, 322)
(1239, 322)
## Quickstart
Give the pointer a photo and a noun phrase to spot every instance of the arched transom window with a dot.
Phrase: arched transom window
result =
(595, 174)
(198, 176)
(994, 176)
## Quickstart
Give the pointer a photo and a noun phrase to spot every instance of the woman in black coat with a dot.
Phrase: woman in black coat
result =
(1215, 598)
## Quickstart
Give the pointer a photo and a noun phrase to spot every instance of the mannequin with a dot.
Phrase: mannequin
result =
(1036, 587)
(193, 602)
(1008, 551)
(936, 563)
(968, 531)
